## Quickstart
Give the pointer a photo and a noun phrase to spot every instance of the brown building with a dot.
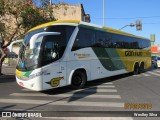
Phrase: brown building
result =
(18, 1)
(70, 12)
(65, 11)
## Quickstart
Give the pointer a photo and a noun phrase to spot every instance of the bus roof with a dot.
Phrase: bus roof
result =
(67, 22)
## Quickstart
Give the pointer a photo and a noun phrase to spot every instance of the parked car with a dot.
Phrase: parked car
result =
(153, 59)
(156, 62)
(12, 55)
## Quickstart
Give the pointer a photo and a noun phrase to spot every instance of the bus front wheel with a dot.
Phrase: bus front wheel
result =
(78, 80)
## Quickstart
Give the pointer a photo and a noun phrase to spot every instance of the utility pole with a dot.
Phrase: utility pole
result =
(104, 21)
(152, 39)
(50, 2)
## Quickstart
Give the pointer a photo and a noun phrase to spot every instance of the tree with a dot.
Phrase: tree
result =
(18, 17)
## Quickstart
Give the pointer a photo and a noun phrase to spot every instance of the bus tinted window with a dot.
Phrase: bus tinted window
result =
(85, 38)
(100, 39)
(96, 38)
(55, 45)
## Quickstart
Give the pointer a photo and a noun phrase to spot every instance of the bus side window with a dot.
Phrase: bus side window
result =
(85, 38)
(47, 52)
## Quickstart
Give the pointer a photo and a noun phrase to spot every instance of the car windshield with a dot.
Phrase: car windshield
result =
(153, 57)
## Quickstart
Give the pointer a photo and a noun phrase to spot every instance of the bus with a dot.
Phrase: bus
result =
(72, 52)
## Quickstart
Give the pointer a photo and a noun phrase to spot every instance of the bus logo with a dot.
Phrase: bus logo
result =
(55, 81)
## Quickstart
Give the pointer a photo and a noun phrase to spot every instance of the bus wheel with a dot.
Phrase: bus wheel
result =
(136, 69)
(78, 80)
(141, 68)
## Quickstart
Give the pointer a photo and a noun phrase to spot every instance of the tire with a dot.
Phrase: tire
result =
(141, 68)
(136, 69)
(155, 66)
(78, 80)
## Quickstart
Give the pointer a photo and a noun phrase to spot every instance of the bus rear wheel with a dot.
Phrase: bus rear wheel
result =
(141, 68)
(136, 69)
(78, 80)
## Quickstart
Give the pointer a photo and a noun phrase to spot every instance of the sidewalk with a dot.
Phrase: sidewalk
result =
(8, 74)
(8, 70)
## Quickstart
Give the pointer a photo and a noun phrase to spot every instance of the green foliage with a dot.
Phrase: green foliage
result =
(22, 16)
(31, 17)
(2, 10)
(2, 27)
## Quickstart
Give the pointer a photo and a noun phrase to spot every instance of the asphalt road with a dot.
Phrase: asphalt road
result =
(97, 99)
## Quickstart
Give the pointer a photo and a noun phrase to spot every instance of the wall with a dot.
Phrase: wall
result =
(67, 12)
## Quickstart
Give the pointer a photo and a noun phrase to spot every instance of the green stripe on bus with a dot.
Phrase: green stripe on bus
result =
(109, 58)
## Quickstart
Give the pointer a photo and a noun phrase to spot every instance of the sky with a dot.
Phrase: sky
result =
(119, 13)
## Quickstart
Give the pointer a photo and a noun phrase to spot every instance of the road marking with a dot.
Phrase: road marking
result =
(145, 74)
(110, 83)
(64, 103)
(90, 85)
(137, 75)
(97, 90)
(157, 71)
(153, 73)
(148, 74)
(103, 86)
(66, 95)
(88, 90)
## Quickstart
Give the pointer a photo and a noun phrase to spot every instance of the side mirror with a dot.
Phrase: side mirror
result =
(54, 55)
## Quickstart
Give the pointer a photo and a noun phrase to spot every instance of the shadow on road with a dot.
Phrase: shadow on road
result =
(7, 78)
(6, 107)
(89, 85)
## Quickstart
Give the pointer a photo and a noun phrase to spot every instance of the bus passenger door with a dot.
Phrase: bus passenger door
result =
(50, 75)
(54, 71)
(54, 75)
(62, 73)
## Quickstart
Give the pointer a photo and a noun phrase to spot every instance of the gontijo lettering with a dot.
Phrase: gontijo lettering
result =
(133, 53)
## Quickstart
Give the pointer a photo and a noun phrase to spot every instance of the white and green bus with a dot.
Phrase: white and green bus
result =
(71, 52)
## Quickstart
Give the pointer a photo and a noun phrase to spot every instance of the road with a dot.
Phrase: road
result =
(109, 94)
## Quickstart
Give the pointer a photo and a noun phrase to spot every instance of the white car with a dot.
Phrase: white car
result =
(157, 62)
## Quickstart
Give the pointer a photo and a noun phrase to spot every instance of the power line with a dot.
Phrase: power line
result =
(152, 23)
(145, 17)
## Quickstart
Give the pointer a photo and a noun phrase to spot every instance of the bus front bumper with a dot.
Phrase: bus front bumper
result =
(32, 84)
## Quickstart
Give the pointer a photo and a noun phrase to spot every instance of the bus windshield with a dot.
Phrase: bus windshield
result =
(46, 49)
(28, 58)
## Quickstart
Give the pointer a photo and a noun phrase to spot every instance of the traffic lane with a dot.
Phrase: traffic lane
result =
(8, 85)
(56, 99)
(139, 90)
(132, 89)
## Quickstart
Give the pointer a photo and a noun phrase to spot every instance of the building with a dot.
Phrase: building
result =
(70, 12)
(155, 50)
(30, 1)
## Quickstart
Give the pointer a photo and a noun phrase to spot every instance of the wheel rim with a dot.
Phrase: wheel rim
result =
(77, 80)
